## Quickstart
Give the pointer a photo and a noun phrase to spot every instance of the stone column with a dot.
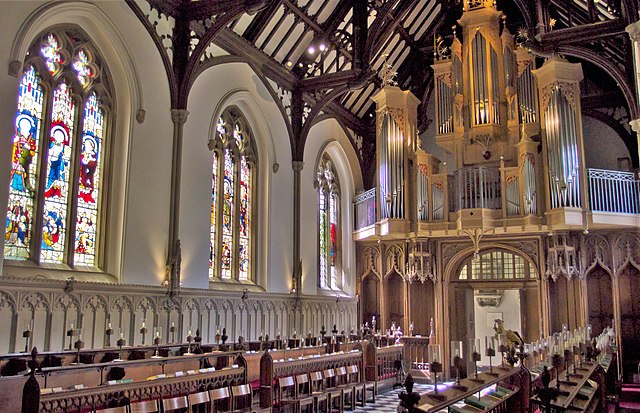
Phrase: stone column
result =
(634, 33)
(179, 118)
(297, 262)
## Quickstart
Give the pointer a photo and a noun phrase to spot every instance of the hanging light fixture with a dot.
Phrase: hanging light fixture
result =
(562, 257)
(419, 264)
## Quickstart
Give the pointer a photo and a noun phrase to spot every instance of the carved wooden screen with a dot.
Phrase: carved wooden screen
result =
(600, 299)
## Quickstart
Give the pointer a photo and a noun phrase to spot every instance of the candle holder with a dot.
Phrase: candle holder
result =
(78, 345)
(172, 330)
(71, 333)
(156, 342)
(503, 349)
(435, 367)
(143, 331)
(567, 363)
(456, 359)
(108, 332)
(490, 352)
(26, 334)
(189, 340)
(120, 343)
(557, 361)
(474, 349)
(218, 336)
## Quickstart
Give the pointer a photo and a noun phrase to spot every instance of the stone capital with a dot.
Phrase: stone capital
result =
(179, 116)
(297, 166)
(635, 125)
(634, 31)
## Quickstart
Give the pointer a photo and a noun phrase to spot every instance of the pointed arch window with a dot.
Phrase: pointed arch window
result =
(233, 166)
(330, 274)
(58, 155)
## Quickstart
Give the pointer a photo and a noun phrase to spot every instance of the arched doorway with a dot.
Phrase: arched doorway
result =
(495, 283)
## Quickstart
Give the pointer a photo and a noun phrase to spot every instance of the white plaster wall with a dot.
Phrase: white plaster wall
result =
(216, 88)
(330, 137)
(510, 309)
(139, 194)
(602, 145)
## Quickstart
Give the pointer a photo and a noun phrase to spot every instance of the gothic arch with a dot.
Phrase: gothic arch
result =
(450, 269)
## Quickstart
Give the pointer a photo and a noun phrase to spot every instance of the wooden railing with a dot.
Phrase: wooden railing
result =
(416, 352)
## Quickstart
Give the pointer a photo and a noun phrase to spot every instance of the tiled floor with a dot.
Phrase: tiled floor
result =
(388, 402)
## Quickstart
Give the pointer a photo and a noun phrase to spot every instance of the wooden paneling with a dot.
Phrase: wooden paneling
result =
(564, 303)
(370, 298)
(630, 313)
(395, 300)
(530, 314)
(421, 299)
(600, 299)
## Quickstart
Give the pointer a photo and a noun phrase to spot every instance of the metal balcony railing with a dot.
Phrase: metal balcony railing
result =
(614, 191)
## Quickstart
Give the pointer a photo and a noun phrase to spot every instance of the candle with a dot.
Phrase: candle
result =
(189, 333)
(173, 324)
(72, 326)
(158, 334)
(109, 326)
(143, 324)
(121, 335)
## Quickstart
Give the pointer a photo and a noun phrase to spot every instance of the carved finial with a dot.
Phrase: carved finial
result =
(387, 75)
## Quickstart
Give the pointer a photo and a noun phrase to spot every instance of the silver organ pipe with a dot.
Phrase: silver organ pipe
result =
(480, 80)
(437, 193)
(527, 95)
(495, 87)
(422, 194)
(457, 76)
(392, 169)
(385, 195)
(562, 150)
(445, 108)
(528, 174)
(509, 67)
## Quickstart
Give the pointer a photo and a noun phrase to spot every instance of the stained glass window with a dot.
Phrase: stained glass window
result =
(89, 182)
(84, 68)
(227, 215)
(230, 236)
(24, 166)
(55, 190)
(212, 236)
(51, 53)
(328, 226)
(244, 220)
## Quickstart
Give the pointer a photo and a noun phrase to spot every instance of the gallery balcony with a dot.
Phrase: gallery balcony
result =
(501, 198)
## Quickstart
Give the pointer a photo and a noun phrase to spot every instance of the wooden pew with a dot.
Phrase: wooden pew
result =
(272, 369)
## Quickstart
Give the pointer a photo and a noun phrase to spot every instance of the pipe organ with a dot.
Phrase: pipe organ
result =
(565, 179)
(396, 142)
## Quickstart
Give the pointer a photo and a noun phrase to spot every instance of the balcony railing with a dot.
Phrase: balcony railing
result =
(365, 209)
(614, 191)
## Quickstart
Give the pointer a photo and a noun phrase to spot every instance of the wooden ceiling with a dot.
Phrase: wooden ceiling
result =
(323, 55)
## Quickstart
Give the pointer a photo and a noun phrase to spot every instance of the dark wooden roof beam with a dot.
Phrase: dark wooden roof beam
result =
(238, 46)
(259, 23)
(200, 10)
(583, 33)
(319, 31)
